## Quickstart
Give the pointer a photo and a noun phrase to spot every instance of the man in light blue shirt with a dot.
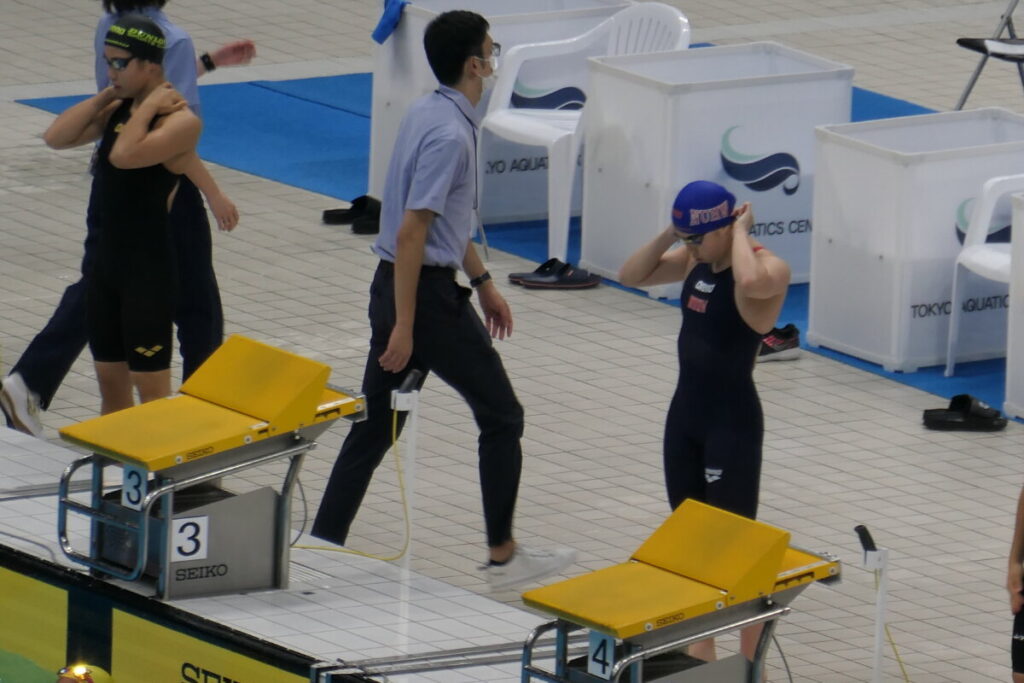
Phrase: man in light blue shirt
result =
(421, 319)
(440, 178)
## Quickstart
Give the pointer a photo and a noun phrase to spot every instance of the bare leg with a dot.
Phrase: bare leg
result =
(501, 553)
(748, 644)
(115, 386)
(152, 385)
(704, 649)
(748, 640)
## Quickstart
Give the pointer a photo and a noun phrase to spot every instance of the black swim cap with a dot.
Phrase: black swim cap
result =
(139, 35)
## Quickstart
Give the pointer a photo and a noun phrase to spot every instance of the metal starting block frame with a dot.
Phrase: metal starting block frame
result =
(703, 573)
(248, 405)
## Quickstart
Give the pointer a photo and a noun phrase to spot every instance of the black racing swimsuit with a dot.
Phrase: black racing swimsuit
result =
(715, 426)
(131, 291)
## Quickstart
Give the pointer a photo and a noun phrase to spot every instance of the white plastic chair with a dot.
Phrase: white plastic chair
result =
(991, 260)
(641, 28)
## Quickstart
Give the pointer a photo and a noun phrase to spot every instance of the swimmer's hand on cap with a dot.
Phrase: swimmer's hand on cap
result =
(166, 99)
(743, 218)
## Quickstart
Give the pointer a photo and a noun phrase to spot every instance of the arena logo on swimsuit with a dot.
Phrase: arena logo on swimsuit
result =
(760, 172)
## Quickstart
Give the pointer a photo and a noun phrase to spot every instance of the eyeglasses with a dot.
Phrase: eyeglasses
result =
(118, 63)
(493, 59)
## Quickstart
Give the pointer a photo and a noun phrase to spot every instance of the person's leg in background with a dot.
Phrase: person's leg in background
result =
(369, 440)
(199, 315)
(34, 379)
(364, 448)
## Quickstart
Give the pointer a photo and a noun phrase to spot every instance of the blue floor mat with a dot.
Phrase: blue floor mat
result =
(314, 133)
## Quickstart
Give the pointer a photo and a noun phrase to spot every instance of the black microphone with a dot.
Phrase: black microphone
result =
(866, 541)
(410, 381)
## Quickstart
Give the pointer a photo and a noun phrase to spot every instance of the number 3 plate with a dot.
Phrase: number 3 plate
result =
(133, 487)
(189, 538)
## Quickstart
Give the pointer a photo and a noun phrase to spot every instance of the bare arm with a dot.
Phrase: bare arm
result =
(760, 274)
(1015, 571)
(229, 54)
(654, 264)
(176, 135)
(83, 122)
(412, 237)
(497, 314)
(223, 209)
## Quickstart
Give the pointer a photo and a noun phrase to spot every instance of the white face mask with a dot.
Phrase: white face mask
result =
(491, 79)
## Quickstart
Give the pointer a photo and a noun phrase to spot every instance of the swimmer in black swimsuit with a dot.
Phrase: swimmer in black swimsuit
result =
(733, 290)
(1015, 588)
(148, 139)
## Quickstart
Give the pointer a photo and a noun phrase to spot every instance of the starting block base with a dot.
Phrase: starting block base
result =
(248, 405)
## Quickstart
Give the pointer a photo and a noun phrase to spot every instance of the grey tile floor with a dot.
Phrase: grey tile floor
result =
(594, 369)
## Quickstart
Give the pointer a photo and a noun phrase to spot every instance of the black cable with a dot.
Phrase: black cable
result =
(782, 654)
(305, 511)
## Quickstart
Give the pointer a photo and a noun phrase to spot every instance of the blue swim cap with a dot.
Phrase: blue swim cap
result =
(701, 207)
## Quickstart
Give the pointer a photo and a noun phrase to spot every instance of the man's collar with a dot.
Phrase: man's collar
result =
(462, 102)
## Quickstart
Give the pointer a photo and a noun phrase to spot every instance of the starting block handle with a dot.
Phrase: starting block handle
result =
(403, 398)
(866, 541)
(624, 663)
(876, 559)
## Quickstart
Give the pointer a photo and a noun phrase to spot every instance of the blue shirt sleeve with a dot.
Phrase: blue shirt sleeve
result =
(180, 70)
(101, 66)
(439, 165)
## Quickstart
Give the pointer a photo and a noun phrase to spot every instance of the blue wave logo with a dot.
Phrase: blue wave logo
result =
(996, 233)
(569, 97)
(760, 173)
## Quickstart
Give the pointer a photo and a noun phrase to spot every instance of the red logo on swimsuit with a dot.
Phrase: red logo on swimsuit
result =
(695, 303)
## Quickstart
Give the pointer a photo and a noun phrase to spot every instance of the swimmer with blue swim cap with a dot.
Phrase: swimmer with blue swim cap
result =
(732, 293)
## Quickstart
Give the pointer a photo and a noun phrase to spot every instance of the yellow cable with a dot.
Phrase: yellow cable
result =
(405, 509)
(892, 643)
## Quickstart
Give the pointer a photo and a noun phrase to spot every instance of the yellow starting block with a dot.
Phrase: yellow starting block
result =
(249, 404)
(703, 573)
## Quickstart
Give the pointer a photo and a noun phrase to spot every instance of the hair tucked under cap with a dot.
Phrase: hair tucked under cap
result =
(139, 35)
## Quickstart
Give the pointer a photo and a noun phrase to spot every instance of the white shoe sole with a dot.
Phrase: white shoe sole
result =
(506, 584)
(17, 420)
(788, 354)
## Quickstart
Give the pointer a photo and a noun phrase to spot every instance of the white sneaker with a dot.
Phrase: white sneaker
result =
(21, 406)
(529, 564)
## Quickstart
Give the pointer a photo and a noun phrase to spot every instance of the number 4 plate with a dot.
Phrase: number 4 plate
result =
(601, 655)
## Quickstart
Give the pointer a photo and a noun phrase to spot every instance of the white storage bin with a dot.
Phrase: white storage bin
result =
(889, 200)
(1014, 404)
(656, 122)
(516, 187)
